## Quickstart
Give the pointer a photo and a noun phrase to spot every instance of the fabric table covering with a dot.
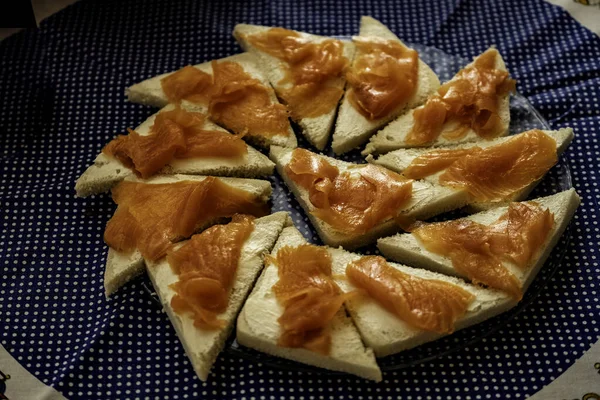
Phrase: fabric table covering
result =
(62, 98)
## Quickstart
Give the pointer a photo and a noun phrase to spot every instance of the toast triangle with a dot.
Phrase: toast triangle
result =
(121, 267)
(257, 326)
(203, 346)
(353, 129)
(399, 160)
(427, 201)
(317, 129)
(150, 92)
(387, 334)
(393, 136)
(406, 248)
(107, 171)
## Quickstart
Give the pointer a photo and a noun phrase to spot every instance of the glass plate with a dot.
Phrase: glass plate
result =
(523, 117)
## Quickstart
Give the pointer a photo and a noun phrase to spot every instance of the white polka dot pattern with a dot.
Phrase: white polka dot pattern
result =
(62, 100)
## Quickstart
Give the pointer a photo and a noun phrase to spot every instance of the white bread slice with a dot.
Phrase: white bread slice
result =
(353, 129)
(203, 346)
(406, 248)
(122, 267)
(399, 160)
(149, 92)
(316, 129)
(393, 136)
(387, 334)
(107, 171)
(257, 326)
(427, 201)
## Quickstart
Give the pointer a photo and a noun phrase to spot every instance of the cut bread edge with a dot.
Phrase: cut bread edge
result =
(316, 130)
(352, 128)
(121, 267)
(393, 136)
(149, 92)
(257, 327)
(107, 171)
(427, 201)
(406, 248)
(399, 160)
(203, 346)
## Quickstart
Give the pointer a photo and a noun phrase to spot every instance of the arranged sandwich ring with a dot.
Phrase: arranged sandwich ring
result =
(193, 199)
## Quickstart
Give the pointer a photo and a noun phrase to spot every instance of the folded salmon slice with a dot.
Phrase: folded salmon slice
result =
(309, 295)
(310, 67)
(496, 172)
(383, 76)
(492, 173)
(175, 134)
(350, 202)
(150, 216)
(470, 100)
(206, 266)
(427, 304)
(243, 104)
(478, 250)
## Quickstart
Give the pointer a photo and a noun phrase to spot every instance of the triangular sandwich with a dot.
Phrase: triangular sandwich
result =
(386, 79)
(291, 315)
(493, 172)
(351, 205)
(503, 248)
(186, 279)
(179, 142)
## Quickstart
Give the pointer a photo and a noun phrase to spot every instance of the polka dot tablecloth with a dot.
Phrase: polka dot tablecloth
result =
(62, 98)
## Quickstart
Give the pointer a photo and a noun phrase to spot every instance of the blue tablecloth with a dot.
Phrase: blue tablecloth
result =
(62, 99)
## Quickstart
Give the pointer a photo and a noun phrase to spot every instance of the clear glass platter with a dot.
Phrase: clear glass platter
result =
(523, 117)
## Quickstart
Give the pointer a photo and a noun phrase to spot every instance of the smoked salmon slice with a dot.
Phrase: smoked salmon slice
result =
(478, 251)
(206, 266)
(175, 134)
(427, 304)
(352, 202)
(309, 295)
(470, 100)
(150, 216)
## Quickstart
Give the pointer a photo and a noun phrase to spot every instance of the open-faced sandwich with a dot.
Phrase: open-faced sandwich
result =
(472, 106)
(385, 79)
(173, 141)
(492, 172)
(233, 92)
(307, 72)
(351, 205)
(502, 248)
(203, 282)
